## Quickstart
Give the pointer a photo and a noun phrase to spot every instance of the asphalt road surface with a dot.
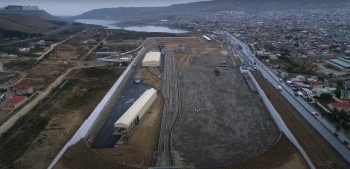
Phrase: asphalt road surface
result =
(318, 122)
(131, 92)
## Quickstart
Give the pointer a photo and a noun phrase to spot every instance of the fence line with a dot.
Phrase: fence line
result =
(280, 123)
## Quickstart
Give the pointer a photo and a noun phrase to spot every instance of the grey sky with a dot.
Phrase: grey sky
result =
(76, 7)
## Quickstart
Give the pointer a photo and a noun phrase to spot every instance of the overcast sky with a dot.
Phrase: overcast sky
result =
(76, 7)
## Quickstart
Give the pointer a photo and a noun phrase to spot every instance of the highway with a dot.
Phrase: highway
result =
(325, 129)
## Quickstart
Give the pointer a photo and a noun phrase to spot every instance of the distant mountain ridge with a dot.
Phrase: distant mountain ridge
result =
(210, 6)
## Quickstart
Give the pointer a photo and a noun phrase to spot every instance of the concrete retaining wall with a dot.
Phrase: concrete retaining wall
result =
(280, 123)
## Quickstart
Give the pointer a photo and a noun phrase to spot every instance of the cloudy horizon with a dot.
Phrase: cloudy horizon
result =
(77, 7)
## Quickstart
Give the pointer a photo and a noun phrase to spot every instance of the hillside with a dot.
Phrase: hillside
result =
(27, 21)
(39, 13)
(210, 6)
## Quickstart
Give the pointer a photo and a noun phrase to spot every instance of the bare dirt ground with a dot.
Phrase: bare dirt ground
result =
(232, 125)
(66, 113)
(66, 51)
(148, 77)
(183, 59)
(173, 43)
(282, 155)
(46, 72)
(80, 156)
(138, 150)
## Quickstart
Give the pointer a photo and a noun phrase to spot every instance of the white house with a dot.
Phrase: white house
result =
(24, 50)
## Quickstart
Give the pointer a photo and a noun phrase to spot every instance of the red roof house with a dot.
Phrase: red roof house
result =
(16, 101)
(340, 106)
(316, 84)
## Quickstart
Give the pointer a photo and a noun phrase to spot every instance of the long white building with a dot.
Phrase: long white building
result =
(128, 121)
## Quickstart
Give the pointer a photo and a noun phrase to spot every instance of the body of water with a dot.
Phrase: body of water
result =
(114, 25)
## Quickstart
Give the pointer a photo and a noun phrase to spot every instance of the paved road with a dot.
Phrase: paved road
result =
(319, 123)
(131, 92)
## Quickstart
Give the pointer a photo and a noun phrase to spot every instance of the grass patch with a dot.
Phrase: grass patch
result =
(19, 64)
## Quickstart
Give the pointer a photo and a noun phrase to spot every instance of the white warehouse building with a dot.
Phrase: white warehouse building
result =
(127, 122)
(151, 59)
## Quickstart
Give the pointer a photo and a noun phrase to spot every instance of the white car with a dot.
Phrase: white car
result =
(315, 113)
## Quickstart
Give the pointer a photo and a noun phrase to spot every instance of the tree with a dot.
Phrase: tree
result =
(337, 92)
(326, 96)
(343, 115)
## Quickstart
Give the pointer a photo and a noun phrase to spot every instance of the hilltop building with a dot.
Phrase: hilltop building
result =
(21, 8)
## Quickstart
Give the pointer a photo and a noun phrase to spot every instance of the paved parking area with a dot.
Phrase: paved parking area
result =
(233, 123)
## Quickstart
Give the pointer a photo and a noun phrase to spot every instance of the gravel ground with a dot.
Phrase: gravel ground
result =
(232, 125)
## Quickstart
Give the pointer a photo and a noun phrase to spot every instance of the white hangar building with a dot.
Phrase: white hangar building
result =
(151, 59)
(127, 122)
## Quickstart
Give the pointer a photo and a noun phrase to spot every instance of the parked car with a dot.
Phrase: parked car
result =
(137, 81)
(336, 135)
(345, 142)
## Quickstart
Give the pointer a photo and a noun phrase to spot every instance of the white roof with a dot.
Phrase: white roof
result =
(152, 56)
(129, 116)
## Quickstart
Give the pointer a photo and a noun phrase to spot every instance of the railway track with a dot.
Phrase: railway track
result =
(317, 149)
(170, 110)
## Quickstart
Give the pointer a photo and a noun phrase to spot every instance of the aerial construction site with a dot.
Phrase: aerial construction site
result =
(204, 115)
(182, 102)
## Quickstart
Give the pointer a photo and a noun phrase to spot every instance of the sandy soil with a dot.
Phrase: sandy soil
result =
(148, 77)
(296, 161)
(138, 150)
(173, 43)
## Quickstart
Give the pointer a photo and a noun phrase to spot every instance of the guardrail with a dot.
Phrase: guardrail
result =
(279, 121)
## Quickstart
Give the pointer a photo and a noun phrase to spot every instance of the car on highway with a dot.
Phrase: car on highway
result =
(315, 113)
